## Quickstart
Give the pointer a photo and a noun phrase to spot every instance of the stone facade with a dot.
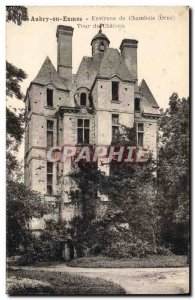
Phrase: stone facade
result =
(105, 87)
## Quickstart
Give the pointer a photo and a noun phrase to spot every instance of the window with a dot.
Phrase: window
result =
(115, 87)
(115, 125)
(102, 48)
(140, 134)
(49, 97)
(137, 104)
(27, 138)
(49, 178)
(83, 99)
(83, 130)
(49, 133)
(29, 106)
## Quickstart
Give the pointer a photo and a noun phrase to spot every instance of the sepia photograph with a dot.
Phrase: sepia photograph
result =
(97, 150)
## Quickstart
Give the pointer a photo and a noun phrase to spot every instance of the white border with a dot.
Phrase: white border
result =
(2, 89)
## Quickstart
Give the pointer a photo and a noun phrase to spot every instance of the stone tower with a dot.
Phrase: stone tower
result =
(87, 107)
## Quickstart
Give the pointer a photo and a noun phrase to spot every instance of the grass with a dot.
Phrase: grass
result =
(65, 284)
(20, 262)
(155, 261)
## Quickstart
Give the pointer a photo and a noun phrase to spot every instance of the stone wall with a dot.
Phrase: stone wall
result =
(100, 134)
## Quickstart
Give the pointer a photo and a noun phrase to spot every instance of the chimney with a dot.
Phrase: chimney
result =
(64, 60)
(129, 54)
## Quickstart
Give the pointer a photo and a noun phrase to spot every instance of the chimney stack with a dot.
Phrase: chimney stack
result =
(129, 54)
(64, 59)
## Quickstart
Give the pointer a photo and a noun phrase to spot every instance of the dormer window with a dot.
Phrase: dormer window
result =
(83, 99)
(115, 88)
(137, 104)
(49, 97)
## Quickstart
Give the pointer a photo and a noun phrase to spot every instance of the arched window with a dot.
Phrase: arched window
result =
(83, 99)
(102, 48)
(137, 104)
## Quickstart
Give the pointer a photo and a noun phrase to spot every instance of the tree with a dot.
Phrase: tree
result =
(16, 14)
(14, 120)
(129, 218)
(14, 76)
(173, 175)
(23, 204)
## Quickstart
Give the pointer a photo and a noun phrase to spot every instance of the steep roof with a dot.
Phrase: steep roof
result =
(47, 74)
(103, 65)
(112, 63)
(87, 71)
(147, 94)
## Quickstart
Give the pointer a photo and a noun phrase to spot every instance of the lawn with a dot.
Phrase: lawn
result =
(35, 282)
(155, 261)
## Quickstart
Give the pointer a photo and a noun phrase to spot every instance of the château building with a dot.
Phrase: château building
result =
(86, 107)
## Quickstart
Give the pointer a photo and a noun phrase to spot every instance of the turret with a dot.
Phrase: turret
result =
(99, 43)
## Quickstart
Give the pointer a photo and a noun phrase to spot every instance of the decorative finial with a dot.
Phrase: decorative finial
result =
(100, 31)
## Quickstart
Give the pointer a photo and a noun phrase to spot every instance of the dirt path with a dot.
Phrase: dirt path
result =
(137, 280)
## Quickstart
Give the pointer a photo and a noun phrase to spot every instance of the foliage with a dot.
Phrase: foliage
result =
(48, 246)
(14, 120)
(160, 205)
(68, 284)
(11, 164)
(128, 249)
(151, 261)
(173, 175)
(56, 230)
(14, 117)
(27, 286)
(22, 205)
(16, 14)
(14, 76)
(131, 190)
(40, 250)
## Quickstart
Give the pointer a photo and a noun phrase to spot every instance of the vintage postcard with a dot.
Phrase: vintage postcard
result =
(97, 150)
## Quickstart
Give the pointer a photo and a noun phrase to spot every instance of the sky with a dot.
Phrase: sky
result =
(162, 34)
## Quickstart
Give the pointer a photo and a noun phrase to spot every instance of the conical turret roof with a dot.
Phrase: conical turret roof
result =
(101, 36)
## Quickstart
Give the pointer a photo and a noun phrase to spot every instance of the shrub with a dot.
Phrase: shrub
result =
(134, 248)
(40, 250)
(162, 250)
(118, 250)
(22, 286)
(48, 246)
